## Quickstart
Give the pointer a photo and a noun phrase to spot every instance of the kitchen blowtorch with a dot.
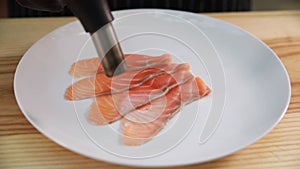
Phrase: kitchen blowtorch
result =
(96, 18)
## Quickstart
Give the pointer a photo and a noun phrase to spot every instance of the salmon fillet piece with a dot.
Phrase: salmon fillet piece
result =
(109, 108)
(92, 66)
(100, 84)
(145, 97)
(142, 124)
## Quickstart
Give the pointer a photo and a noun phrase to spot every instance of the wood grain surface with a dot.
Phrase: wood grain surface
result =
(22, 146)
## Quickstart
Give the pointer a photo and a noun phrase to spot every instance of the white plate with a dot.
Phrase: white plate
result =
(250, 89)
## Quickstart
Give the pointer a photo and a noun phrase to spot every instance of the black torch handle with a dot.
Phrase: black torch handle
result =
(93, 14)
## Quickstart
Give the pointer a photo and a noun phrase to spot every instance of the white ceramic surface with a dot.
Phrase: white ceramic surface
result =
(250, 88)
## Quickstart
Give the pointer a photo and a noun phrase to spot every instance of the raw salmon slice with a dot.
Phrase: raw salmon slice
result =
(109, 108)
(92, 66)
(100, 84)
(144, 123)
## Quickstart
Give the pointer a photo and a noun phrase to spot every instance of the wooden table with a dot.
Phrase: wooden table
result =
(22, 146)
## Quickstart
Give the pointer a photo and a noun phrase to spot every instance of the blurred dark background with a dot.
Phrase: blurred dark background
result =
(9, 8)
(15, 10)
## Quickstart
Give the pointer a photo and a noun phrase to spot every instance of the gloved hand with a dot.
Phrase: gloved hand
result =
(43, 5)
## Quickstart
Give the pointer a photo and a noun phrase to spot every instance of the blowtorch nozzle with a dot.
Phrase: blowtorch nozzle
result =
(96, 18)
